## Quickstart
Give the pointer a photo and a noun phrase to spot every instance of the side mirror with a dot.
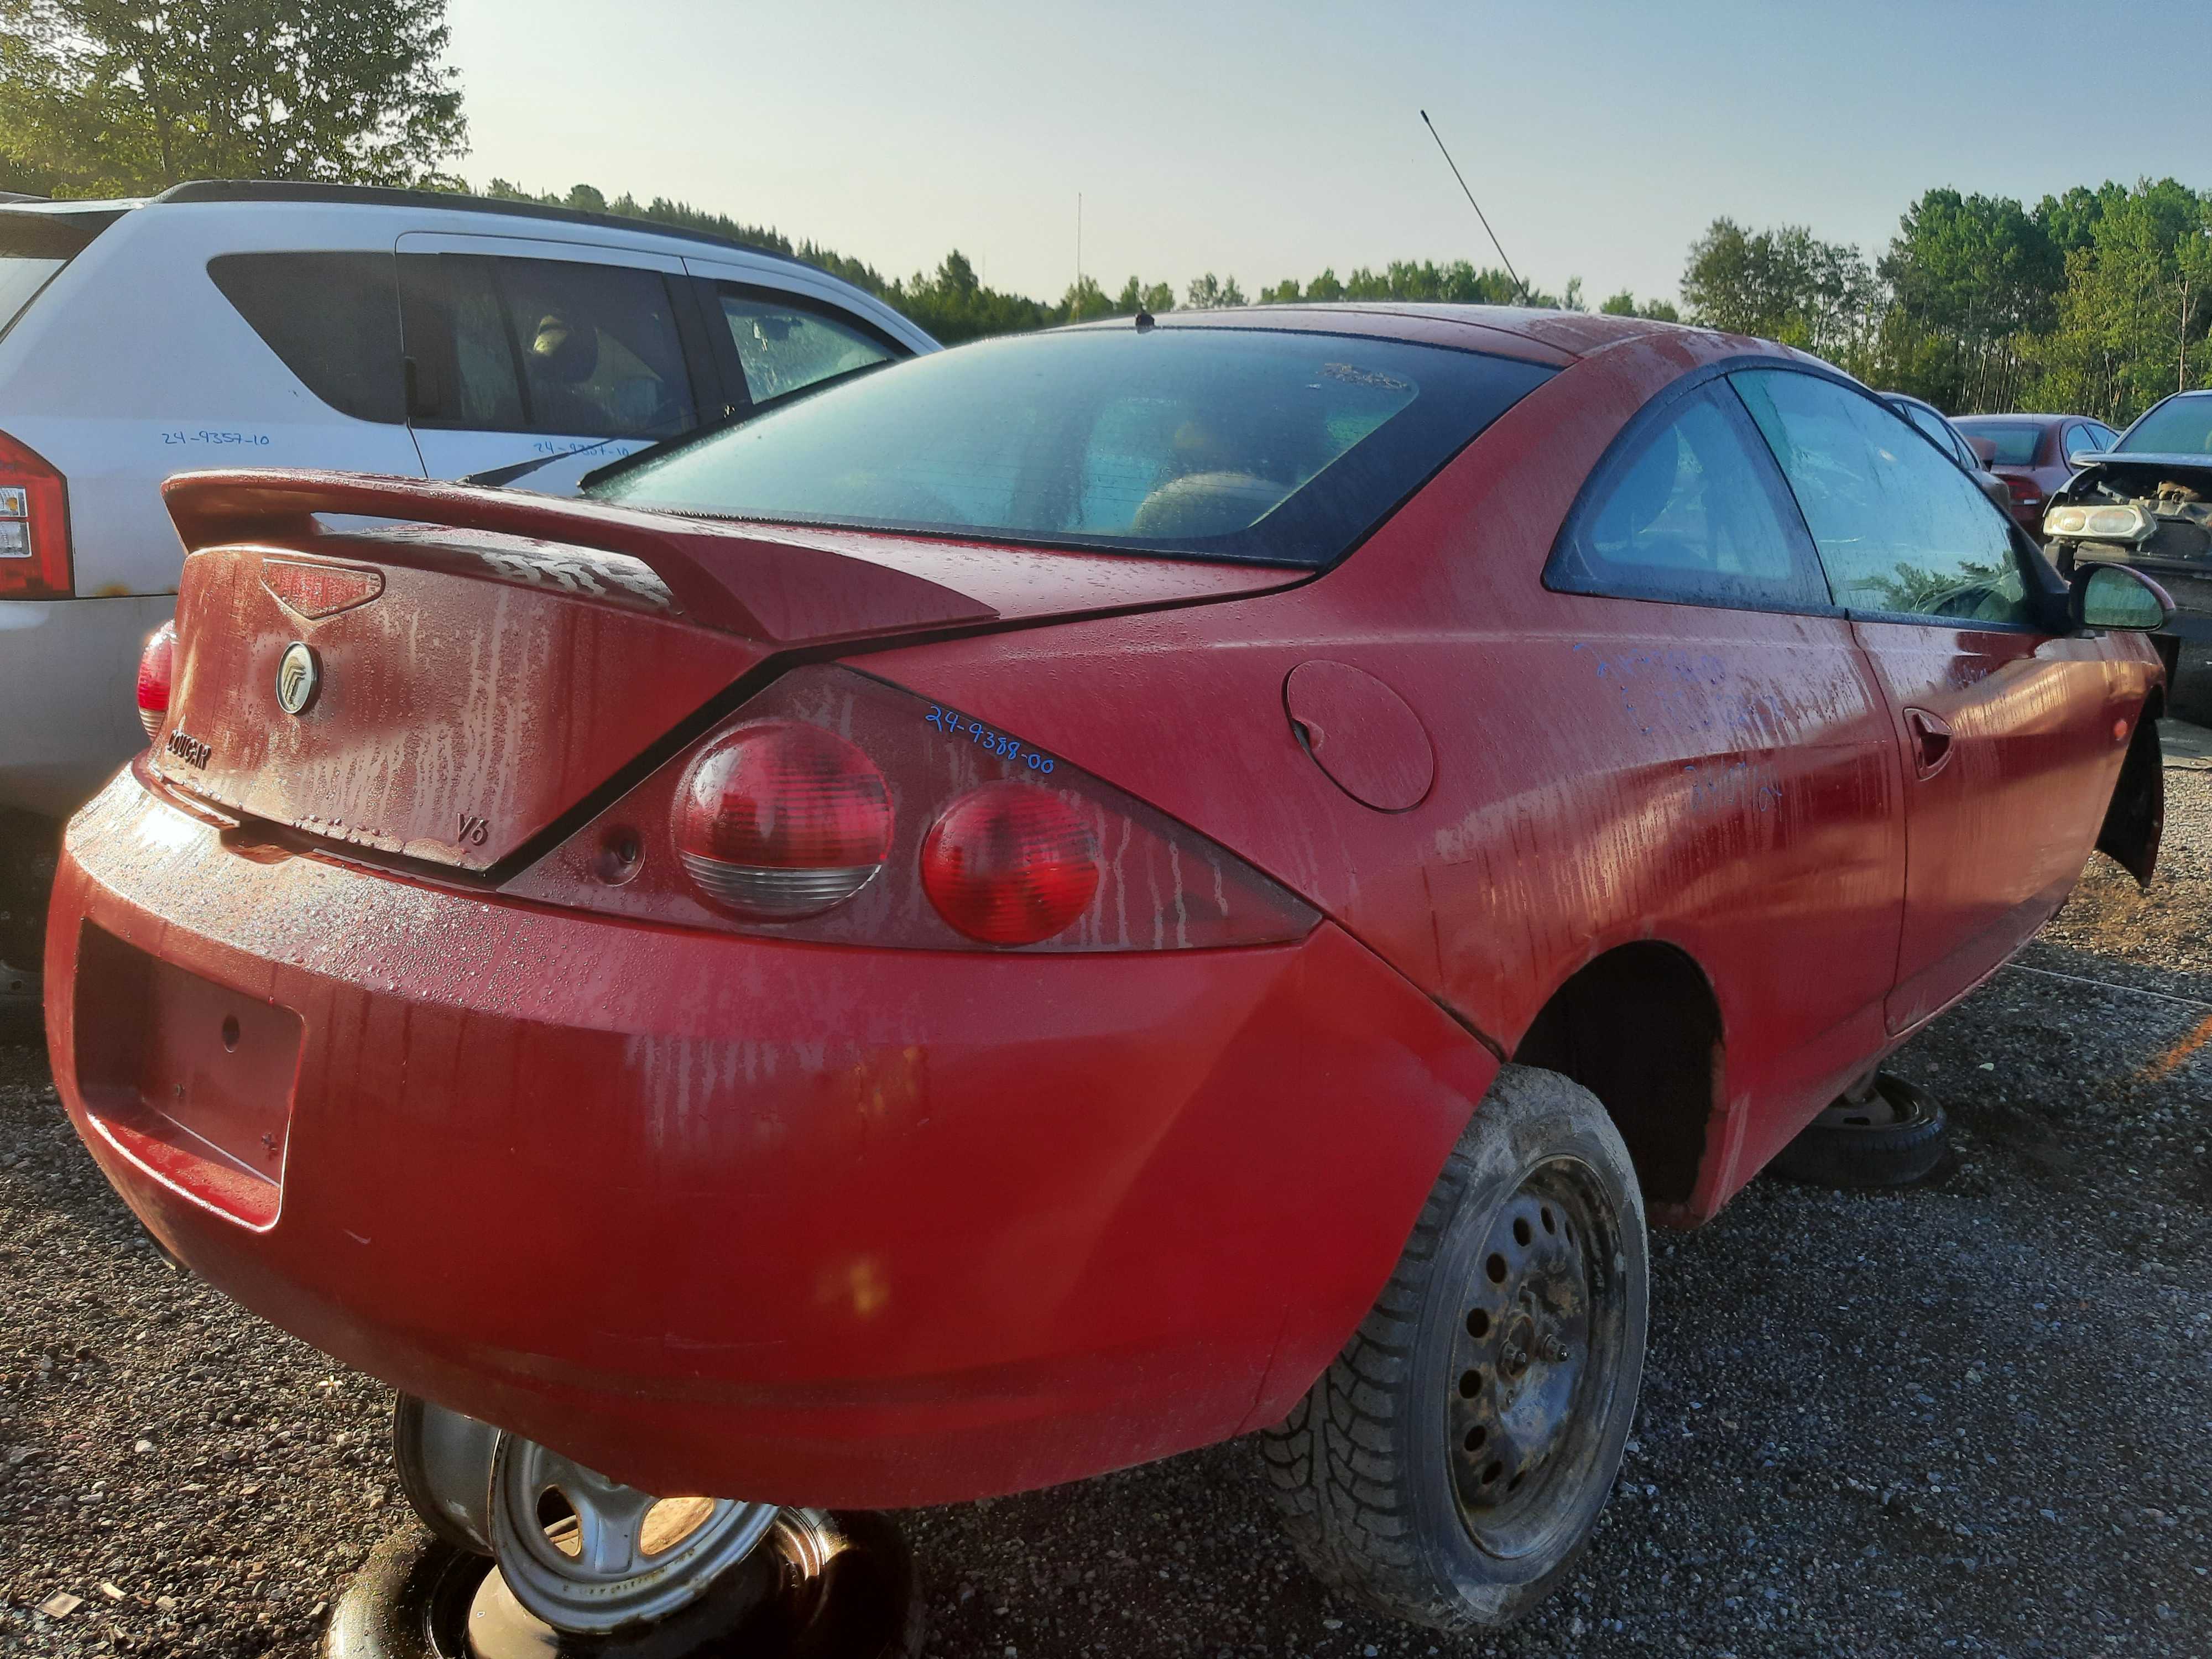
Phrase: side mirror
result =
(2114, 595)
(1985, 450)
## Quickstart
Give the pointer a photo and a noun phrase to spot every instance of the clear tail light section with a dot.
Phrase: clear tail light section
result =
(157, 664)
(835, 808)
(779, 820)
(35, 538)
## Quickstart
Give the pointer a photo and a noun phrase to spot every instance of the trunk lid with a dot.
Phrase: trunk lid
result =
(448, 679)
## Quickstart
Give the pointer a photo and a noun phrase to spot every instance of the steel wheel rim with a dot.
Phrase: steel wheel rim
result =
(616, 1575)
(1535, 1357)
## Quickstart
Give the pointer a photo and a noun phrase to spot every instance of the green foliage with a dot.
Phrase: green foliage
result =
(1784, 284)
(127, 97)
(1626, 304)
(2132, 319)
(1209, 292)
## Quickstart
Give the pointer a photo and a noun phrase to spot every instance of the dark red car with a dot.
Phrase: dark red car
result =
(2031, 453)
(1065, 901)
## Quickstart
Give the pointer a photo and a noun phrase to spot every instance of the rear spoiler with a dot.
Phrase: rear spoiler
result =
(731, 578)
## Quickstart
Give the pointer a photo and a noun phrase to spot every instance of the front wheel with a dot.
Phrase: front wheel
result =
(1450, 1464)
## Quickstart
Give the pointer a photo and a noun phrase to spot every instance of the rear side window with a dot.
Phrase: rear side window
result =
(1689, 509)
(333, 319)
(2015, 445)
(545, 345)
(1901, 531)
(783, 347)
(34, 248)
(1244, 444)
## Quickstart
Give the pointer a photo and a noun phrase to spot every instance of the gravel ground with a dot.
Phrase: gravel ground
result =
(1972, 1417)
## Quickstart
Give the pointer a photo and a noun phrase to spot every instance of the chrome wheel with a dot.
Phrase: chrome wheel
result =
(1535, 1358)
(588, 1554)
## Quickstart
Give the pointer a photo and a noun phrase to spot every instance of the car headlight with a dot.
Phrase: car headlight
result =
(2101, 524)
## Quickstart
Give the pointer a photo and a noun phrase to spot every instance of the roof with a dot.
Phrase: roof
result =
(258, 190)
(1557, 338)
(1964, 421)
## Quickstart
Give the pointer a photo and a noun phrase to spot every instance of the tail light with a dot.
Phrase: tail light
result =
(155, 664)
(2025, 492)
(779, 821)
(1010, 864)
(34, 542)
(837, 809)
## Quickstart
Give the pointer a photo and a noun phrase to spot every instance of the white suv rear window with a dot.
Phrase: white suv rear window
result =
(34, 248)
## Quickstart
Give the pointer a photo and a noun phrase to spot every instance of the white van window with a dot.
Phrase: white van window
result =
(332, 318)
(784, 347)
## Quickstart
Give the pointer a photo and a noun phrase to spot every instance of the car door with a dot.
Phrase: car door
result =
(522, 352)
(2005, 729)
(1695, 645)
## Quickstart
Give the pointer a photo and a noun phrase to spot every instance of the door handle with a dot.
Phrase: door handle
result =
(1931, 741)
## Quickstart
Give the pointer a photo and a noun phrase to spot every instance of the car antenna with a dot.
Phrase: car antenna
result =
(1520, 287)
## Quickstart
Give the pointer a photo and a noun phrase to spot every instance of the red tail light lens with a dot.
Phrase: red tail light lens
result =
(779, 821)
(2024, 490)
(1010, 864)
(155, 664)
(840, 810)
(34, 542)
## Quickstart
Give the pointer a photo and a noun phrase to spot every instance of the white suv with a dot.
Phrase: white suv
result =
(393, 331)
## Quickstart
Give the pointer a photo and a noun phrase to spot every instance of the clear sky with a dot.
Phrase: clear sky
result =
(1265, 141)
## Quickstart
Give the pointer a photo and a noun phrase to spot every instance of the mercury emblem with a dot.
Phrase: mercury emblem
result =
(299, 677)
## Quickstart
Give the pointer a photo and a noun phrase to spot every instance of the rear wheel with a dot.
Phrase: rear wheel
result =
(1450, 1464)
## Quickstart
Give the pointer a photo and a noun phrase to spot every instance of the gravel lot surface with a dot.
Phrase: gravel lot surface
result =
(1974, 1417)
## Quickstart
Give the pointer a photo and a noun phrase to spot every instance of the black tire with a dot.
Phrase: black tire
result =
(835, 1585)
(1894, 1138)
(1380, 1494)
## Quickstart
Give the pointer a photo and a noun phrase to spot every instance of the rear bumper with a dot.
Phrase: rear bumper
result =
(68, 670)
(808, 1224)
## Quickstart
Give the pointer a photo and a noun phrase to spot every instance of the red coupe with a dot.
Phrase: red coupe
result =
(1057, 902)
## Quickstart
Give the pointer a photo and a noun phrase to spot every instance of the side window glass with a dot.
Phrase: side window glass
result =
(1901, 531)
(784, 347)
(600, 355)
(1691, 510)
(333, 319)
(1937, 433)
(461, 363)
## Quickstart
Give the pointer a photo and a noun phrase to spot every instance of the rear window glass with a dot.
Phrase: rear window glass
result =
(2015, 445)
(332, 318)
(1254, 445)
(2179, 426)
(34, 248)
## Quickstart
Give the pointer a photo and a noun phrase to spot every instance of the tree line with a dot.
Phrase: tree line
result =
(2096, 302)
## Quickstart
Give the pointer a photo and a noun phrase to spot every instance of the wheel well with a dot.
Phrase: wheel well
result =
(1640, 1029)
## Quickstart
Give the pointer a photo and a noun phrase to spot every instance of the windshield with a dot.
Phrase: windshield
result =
(33, 248)
(2016, 444)
(2179, 426)
(1272, 446)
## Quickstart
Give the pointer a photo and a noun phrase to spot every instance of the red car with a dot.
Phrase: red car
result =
(1057, 902)
(2032, 454)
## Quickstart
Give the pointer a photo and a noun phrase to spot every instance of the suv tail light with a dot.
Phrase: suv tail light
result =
(155, 664)
(835, 808)
(35, 541)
